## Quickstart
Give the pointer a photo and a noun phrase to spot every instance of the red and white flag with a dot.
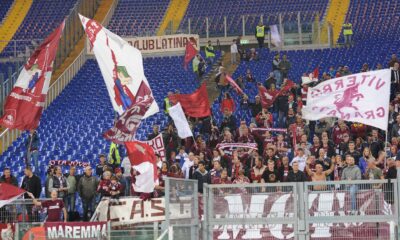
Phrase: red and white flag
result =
(121, 66)
(157, 144)
(362, 98)
(124, 129)
(267, 99)
(144, 161)
(190, 52)
(24, 105)
(9, 193)
(312, 77)
(234, 84)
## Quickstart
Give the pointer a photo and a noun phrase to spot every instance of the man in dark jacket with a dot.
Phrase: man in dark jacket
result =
(8, 178)
(282, 104)
(256, 107)
(86, 189)
(32, 153)
(228, 121)
(201, 175)
(32, 184)
(296, 175)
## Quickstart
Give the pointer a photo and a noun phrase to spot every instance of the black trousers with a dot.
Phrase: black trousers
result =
(260, 41)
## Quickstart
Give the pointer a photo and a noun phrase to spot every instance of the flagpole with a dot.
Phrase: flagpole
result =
(386, 144)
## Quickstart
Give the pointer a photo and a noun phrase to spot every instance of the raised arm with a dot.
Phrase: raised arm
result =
(35, 202)
(308, 170)
(331, 168)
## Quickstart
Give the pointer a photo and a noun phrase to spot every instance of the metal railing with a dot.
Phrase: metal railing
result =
(364, 209)
(181, 191)
(310, 210)
(295, 28)
(22, 210)
(8, 136)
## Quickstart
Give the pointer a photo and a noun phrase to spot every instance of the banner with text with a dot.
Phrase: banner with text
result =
(132, 210)
(158, 44)
(76, 230)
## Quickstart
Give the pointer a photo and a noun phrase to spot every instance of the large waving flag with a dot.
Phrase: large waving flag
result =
(125, 127)
(144, 161)
(362, 97)
(195, 104)
(121, 66)
(24, 105)
(9, 193)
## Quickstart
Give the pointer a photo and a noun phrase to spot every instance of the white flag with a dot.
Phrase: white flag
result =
(362, 97)
(121, 66)
(143, 183)
(181, 123)
(275, 36)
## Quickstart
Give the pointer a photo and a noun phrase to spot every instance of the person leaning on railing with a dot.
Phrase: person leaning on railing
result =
(54, 207)
(351, 173)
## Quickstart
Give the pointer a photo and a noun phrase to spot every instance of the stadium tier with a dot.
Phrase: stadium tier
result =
(252, 10)
(138, 17)
(87, 114)
(4, 7)
(38, 24)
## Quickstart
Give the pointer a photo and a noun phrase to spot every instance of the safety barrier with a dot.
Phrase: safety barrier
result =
(364, 209)
(21, 210)
(311, 210)
(182, 192)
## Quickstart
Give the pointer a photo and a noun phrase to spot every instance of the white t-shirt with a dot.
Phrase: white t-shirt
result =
(186, 167)
(301, 161)
(234, 48)
(126, 164)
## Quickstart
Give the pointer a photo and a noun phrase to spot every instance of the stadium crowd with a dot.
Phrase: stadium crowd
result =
(297, 151)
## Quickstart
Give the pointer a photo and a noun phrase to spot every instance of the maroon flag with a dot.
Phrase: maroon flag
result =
(234, 84)
(125, 127)
(190, 52)
(24, 105)
(195, 104)
(9, 193)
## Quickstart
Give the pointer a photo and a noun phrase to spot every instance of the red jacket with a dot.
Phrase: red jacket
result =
(229, 104)
(104, 187)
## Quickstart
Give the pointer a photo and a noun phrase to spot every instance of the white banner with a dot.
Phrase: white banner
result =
(180, 121)
(131, 210)
(158, 44)
(362, 97)
(157, 144)
(121, 66)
